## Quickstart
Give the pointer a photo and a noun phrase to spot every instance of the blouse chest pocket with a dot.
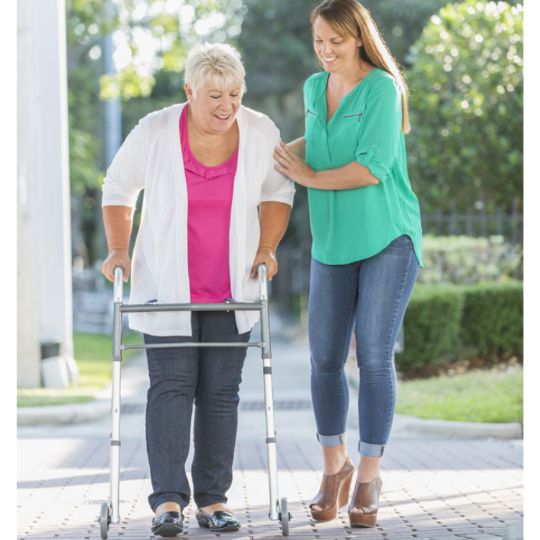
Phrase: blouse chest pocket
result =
(344, 134)
(311, 121)
(356, 117)
(350, 126)
(354, 114)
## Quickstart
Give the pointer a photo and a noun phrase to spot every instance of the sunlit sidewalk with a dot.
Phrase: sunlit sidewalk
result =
(433, 488)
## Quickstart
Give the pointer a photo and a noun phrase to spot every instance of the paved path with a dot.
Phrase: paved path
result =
(433, 488)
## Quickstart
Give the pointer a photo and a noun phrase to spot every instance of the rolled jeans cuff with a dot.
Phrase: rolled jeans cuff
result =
(370, 450)
(330, 441)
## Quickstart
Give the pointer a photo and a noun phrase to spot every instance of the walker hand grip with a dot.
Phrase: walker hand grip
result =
(261, 270)
(263, 285)
(118, 283)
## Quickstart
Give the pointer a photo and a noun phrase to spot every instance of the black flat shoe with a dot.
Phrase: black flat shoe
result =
(219, 521)
(168, 524)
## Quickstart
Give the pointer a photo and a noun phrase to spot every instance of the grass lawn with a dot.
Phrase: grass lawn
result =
(93, 356)
(475, 396)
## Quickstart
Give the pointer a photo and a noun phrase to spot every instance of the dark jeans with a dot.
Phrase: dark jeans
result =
(371, 296)
(210, 378)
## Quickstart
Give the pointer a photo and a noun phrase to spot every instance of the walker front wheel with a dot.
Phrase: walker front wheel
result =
(284, 516)
(104, 520)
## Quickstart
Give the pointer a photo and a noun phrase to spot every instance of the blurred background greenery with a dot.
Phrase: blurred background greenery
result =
(464, 65)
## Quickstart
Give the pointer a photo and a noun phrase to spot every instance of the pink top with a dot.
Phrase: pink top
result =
(210, 191)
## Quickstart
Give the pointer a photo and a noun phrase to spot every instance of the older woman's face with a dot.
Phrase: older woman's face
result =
(214, 107)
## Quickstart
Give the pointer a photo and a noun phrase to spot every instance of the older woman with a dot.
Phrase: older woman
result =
(366, 253)
(214, 208)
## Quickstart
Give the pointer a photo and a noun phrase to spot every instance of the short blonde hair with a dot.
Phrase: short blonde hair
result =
(215, 63)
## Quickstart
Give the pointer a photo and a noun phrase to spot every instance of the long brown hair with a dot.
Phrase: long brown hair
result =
(349, 17)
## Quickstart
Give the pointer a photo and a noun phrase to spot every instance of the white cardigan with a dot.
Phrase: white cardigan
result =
(151, 159)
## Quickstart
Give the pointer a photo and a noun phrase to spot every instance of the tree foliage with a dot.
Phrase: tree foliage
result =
(401, 23)
(276, 45)
(465, 148)
(155, 35)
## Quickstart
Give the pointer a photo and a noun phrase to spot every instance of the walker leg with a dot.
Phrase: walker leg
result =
(269, 410)
(115, 411)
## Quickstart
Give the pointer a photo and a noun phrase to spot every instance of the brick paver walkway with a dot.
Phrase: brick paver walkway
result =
(433, 488)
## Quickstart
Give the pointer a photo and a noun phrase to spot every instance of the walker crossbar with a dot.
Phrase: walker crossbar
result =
(227, 306)
(179, 345)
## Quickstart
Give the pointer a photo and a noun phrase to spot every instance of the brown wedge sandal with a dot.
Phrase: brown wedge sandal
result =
(366, 499)
(333, 493)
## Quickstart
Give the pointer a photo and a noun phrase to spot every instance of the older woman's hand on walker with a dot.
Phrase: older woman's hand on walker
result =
(118, 222)
(265, 255)
(291, 165)
(116, 257)
(273, 217)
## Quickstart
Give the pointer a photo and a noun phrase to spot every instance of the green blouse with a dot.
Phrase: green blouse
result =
(354, 224)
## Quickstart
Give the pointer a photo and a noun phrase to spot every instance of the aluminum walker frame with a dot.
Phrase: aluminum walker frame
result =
(109, 511)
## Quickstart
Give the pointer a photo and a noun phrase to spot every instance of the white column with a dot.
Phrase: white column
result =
(28, 353)
(43, 156)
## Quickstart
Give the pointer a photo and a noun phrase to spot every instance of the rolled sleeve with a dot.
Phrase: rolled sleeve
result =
(380, 129)
(276, 187)
(125, 176)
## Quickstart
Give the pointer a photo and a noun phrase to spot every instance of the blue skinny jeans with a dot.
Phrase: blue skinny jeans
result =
(369, 296)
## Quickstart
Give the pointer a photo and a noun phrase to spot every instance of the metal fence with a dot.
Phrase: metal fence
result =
(510, 226)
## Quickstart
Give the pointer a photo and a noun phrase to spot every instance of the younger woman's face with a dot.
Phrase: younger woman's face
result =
(336, 53)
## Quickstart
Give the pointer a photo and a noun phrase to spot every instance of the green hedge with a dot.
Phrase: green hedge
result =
(447, 323)
(492, 322)
(431, 327)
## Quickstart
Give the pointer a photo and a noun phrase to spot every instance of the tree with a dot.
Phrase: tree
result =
(83, 33)
(401, 23)
(465, 148)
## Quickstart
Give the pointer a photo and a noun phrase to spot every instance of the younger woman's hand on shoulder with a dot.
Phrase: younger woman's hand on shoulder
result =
(289, 164)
